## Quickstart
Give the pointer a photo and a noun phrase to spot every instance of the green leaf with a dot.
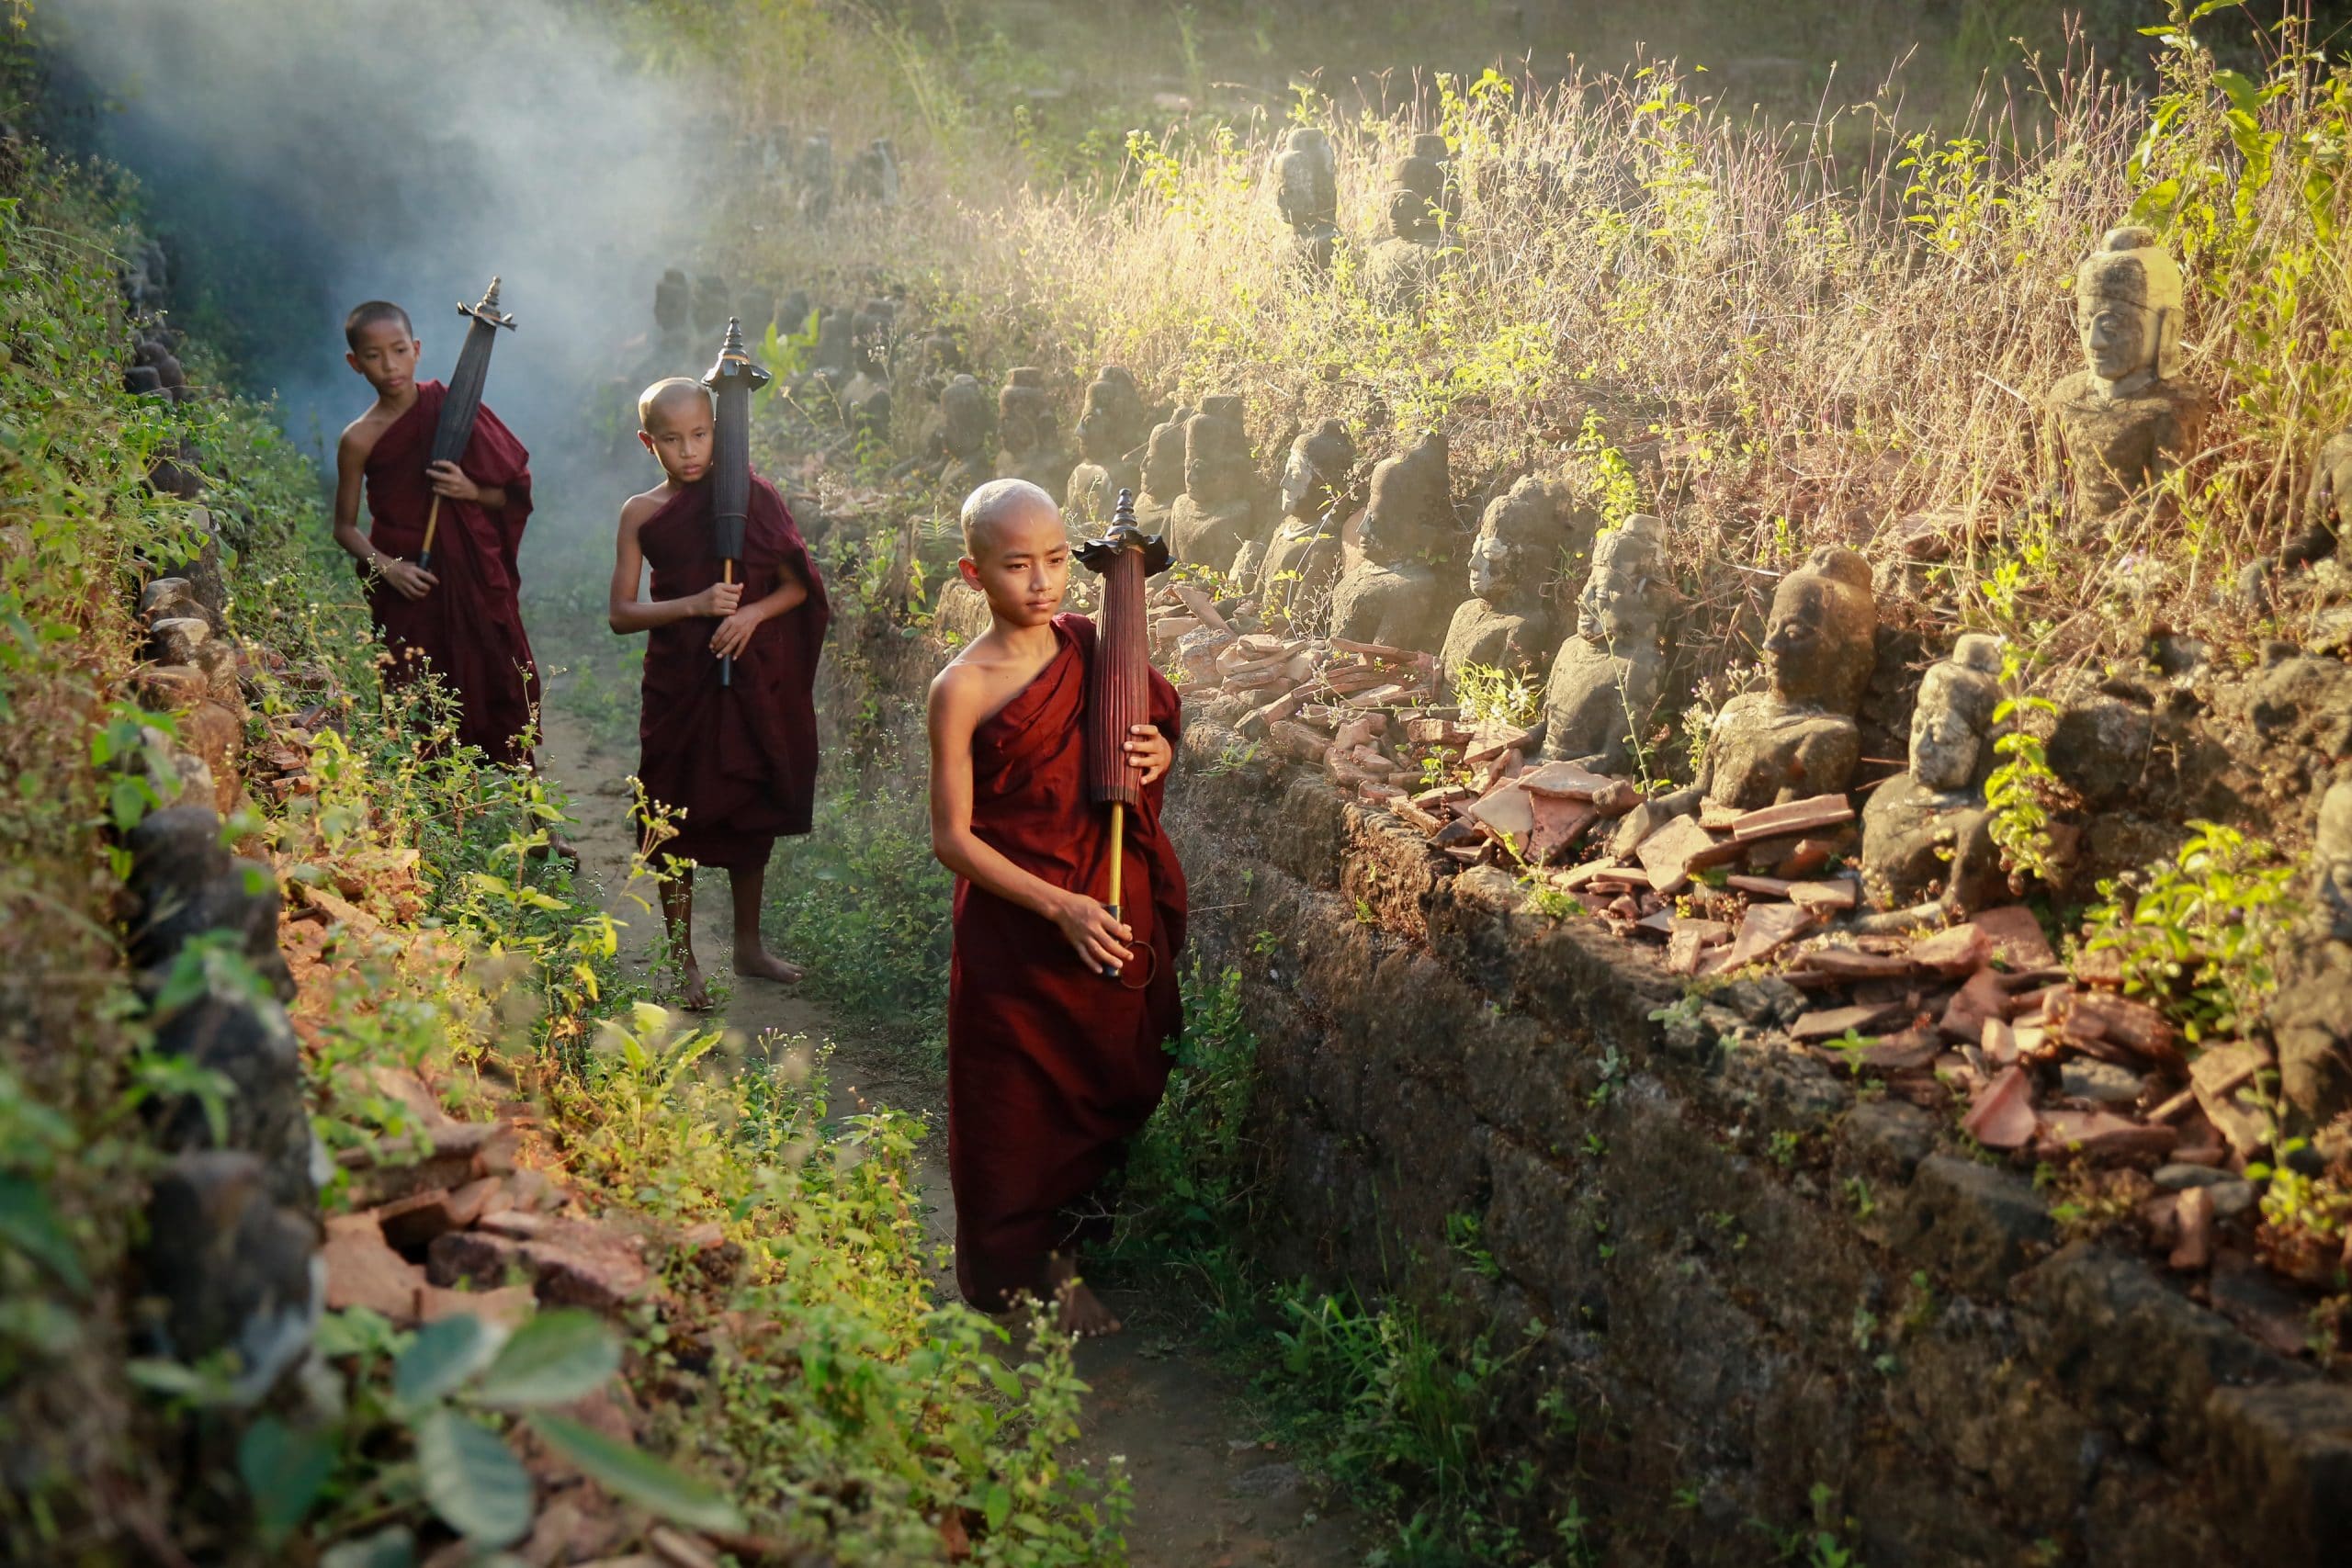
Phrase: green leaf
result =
(555, 1357)
(391, 1546)
(638, 1477)
(471, 1480)
(283, 1472)
(31, 1226)
(996, 1505)
(444, 1355)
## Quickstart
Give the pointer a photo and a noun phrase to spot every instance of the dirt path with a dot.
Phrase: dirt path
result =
(1207, 1493)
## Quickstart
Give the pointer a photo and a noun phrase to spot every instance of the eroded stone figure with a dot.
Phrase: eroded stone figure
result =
(1216, 515)
(2309, 1018)
(814, 177)
(1395, 595)
(2124, 421)
(961, 440)
(1606, 678)
(1111, 433)
(874, 173)
(1422, 205)
(1030, 433)
(1307, 194)
(1926, 832)
(1163, 472)
(1508, 622)
(1797, 738)
(1303, 558)
(673, 298)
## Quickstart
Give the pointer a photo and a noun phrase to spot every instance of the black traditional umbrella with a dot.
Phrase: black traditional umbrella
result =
(731, 381)
(463, 400)
(1118, 682)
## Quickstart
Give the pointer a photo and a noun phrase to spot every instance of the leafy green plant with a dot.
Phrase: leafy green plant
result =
(2022, 788)
(1491, 695)
(2198, 936)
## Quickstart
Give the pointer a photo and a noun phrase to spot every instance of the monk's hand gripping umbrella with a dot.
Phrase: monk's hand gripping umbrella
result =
(455, 429)
(731, 381)
(1118, 684)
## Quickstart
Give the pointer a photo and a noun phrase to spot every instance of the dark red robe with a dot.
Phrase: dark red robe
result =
(1051, 1067)
(469, 629)
(739, 762)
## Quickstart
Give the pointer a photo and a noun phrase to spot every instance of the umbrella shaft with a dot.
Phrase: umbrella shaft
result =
(726, 662)
(432, 521)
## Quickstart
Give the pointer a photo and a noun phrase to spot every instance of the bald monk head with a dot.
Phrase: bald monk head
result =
(1016, 551)
(675, 423)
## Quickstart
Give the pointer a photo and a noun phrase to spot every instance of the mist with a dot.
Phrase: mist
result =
(299, 156)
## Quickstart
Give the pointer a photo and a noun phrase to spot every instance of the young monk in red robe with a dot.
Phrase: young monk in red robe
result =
(734, 766)
(461, 621)
(1055, 1010)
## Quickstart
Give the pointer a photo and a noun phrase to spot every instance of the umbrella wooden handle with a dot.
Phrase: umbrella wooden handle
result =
(1119, 843)
(432, 521)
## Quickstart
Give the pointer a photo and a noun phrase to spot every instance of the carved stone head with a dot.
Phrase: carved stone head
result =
(1954, 714)
(1625, 596)
(1217, 454)
(1308, 192)
(1317, 464)
(2331, 858)
(1112, 425)
(2128, 298)
(1416, 197)
(671, 299)
(1163, 457)
(1519, 538)
(1025, 413)
(964, 415)
(1818, 641)
(1411, 503)
(869, 333)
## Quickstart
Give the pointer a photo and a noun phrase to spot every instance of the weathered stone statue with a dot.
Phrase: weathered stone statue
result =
(1309, 193)
(2122, 422)
(1209, 523)
(1111, 433)
(1396, 595)
(964, 435)
(874, 173)
(1302, 559)
(755, 307)
(1422, 207)
(2309, 1022)
(1926, 833)
(1030, 433)
(673, 298)
(815, 177)
(1509, 622)
(1163, 473)
(1798, 737)
(1606, 678)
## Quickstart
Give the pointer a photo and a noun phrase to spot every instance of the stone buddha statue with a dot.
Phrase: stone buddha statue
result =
(964, 435)
(1216, 515)
(1029, 434)
(1422, 205)
(874, 173)
(1509, 621)
(1110, 432)
(1163, 472)
(1606, 678)
(1307, 194)
(814, 177)
(1395, 595)
(1303, 558)
(1797, 738)
(2122, 422)
(1926, 833)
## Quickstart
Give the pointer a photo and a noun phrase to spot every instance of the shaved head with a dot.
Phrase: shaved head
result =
(989, 509)
(658, 403)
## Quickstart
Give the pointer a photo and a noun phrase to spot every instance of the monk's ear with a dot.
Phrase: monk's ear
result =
(969, 569)
(353, 360)
(645, 439)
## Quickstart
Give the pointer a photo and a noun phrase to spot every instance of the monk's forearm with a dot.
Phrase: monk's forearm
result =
(988, 869)
(643, 616)
(791, 596)
(356, 544)
(491, 498)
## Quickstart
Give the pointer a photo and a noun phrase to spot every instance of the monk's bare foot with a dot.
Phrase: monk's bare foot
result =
(761, 964)
(561, 850)
(693, 995)
(1081, 1311)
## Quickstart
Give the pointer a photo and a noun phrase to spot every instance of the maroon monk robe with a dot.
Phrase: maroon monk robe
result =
(469, 626)
(1051, 1067)
(739, 760)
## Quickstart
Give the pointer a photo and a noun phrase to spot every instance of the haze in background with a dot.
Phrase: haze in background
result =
(303, 155)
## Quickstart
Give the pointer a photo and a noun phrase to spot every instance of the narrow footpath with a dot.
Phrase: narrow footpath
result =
(1207, 1495)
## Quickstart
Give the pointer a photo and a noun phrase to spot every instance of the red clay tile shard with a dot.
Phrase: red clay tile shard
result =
(2101, 1137)
(2001, 1115)
(1808, 816)
(1828, 897)
(2135, 1026)
(2017, 938)
(1507, 811)
(363, 1271)
(1760, 887)
(1981, 999)
(1560, 825)
(1672, 852)
(2195, 1212)
(1828, 1023)
(1999, 1042)
(1960, 950)
(1854, 964)
(1765, 930)
(1492, 740)
(1912, 1050)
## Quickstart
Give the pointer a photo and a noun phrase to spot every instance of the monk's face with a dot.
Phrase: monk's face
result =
(1021, 563)
(679, 434)
(386, 355)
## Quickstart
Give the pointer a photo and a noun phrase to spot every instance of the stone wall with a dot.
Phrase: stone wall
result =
(1746, 1275)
